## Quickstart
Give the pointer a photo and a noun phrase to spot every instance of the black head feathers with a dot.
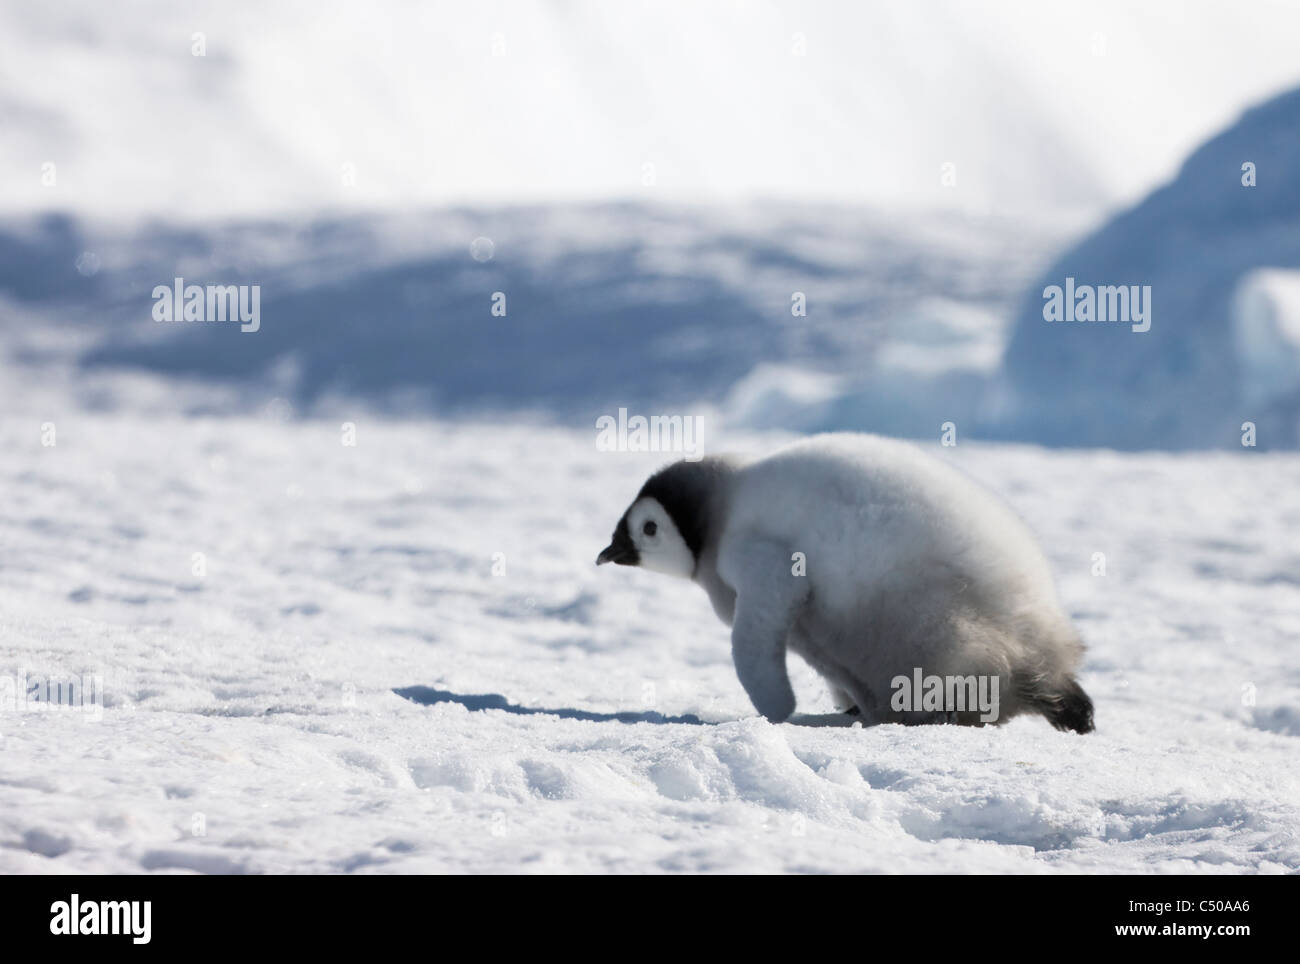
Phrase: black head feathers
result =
(686, 490)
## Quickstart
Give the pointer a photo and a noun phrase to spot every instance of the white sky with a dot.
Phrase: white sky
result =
(1052, 108)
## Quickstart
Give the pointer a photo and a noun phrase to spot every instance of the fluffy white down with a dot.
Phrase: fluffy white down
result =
(824, 494)
(910, 563)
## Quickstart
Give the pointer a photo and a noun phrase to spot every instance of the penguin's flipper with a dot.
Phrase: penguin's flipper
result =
(768, 597)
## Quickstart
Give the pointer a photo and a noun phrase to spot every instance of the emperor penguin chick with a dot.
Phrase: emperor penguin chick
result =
(875, 563)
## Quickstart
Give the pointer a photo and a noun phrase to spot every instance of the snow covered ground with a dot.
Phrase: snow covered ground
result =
(313, 693)
(398, 656)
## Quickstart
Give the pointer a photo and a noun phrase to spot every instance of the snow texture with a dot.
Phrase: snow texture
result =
(800, 317)
(629, 305)
(344, 684)
(1266, 334)
(1183, 383)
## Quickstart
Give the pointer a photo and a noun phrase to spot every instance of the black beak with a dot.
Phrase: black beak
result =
(621, 552)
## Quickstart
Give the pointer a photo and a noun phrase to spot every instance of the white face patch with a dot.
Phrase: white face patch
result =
(659, 544)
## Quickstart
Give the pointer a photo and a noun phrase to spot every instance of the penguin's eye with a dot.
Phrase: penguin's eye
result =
(650, 528)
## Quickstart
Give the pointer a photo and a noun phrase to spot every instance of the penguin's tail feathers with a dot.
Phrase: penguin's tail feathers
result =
(1063, 702)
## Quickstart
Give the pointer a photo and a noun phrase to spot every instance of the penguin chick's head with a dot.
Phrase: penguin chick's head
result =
(668, 523)
(648, 537)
